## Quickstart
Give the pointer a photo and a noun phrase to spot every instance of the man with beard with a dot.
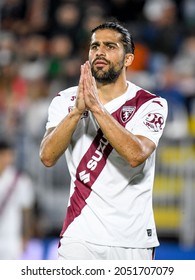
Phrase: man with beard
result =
(109, 129)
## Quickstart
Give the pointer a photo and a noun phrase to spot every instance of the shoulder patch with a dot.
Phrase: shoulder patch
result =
(154, 121)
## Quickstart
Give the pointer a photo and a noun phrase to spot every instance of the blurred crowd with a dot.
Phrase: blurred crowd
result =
(44, 42)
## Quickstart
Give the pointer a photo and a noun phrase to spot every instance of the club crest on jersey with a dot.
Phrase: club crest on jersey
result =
(126, 113)
(154, 121)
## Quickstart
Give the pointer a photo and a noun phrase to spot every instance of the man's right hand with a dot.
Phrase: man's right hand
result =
(80, 101)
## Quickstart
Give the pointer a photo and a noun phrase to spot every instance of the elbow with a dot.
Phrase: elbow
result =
(45, 156)
(135, 162)
(47, 161)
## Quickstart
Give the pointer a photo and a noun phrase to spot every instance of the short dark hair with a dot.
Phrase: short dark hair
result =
(126, 37)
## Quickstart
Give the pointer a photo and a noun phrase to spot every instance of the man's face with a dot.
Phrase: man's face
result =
(106, 56)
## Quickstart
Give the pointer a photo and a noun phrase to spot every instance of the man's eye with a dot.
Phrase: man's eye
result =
(94, 47)
(111, 47)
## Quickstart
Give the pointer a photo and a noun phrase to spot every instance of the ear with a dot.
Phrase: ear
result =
(129, 57)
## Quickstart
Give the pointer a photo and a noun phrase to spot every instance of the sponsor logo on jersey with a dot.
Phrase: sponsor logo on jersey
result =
(84, 177)
(87, 173)
(94, 160)
(154, 121)
(126, 113)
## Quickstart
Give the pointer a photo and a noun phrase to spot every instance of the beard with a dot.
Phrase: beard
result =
(109, 76)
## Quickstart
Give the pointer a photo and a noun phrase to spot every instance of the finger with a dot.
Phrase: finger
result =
(89, 74)
(89, 70)
(80, 91)
(93, 81)
(86, 81)
(81, 78)
(82, 73)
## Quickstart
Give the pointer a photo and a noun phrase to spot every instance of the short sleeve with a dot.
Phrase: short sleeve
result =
(151, 121)
(56, 112)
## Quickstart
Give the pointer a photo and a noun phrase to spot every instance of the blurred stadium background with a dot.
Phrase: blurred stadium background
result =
(42, 44)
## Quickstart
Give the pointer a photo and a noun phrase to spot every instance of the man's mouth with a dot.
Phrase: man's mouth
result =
(100, 63)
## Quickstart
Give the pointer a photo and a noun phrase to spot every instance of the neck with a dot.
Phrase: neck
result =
(108, 92)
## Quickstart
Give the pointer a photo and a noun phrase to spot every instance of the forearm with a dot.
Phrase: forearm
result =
(56, 142)
(135, 149)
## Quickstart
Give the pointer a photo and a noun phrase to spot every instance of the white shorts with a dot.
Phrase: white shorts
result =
(73, 249)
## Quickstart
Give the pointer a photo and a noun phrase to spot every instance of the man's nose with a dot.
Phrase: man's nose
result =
(100, 51)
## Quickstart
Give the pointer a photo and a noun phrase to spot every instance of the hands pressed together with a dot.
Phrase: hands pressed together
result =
(87, 94)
